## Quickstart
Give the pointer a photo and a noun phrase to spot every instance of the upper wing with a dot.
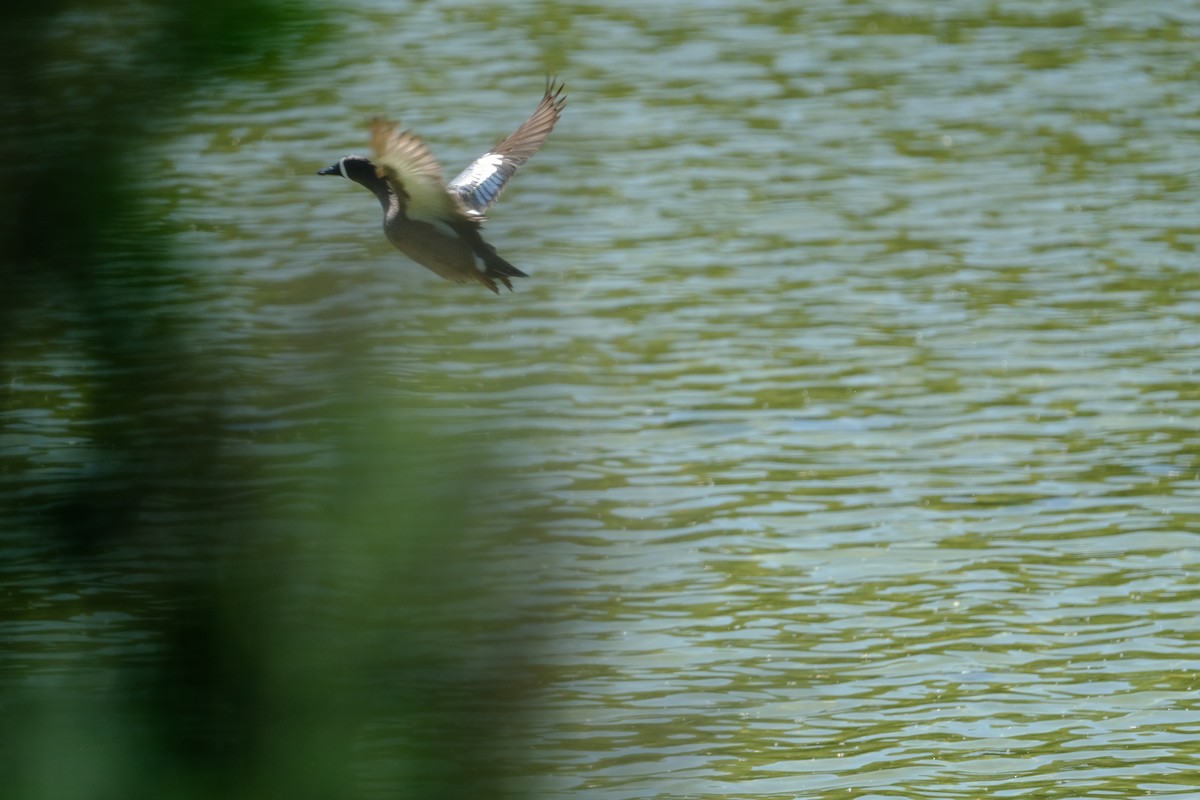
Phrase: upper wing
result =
(481, 183)
(410, 169)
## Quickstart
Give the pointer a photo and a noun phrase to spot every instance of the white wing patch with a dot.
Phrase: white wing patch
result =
(481, 169)
(481, 183)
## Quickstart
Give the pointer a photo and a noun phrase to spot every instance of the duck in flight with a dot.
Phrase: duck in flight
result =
(437, 224)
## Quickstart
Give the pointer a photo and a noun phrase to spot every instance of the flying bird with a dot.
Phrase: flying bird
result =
(438, 224)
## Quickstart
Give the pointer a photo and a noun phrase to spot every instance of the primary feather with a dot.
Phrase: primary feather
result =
(478, 186)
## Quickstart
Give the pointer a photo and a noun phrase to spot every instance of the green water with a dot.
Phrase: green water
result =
(842, 443)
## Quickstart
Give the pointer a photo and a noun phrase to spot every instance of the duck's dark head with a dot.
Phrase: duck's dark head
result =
(356, 168)
(361, 170)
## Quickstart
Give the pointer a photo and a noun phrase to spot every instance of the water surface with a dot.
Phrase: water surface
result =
(842, 442)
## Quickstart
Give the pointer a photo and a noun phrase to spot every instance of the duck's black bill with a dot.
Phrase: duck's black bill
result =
(333, 170)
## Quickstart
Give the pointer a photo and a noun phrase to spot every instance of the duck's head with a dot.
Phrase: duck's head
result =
(356, 168)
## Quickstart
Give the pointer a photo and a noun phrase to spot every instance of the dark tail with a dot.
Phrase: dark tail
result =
(500, 269)
(496, 268)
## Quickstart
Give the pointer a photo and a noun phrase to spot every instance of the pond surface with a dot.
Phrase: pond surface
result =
(843, 441)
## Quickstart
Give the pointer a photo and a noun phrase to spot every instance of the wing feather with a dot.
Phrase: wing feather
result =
(407, 164)
(483, 180)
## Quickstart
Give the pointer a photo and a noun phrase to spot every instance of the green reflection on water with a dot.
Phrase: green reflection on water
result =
(301, 582)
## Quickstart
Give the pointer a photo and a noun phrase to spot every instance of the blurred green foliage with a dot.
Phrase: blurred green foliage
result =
(303, 638)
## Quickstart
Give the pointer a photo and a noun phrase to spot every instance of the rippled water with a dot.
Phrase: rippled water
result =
(843, 440)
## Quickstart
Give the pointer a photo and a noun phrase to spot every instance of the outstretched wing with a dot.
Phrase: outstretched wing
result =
(410, 169)
(481, 183)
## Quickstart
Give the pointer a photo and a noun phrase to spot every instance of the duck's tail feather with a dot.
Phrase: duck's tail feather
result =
(501, 270)
(495, 267)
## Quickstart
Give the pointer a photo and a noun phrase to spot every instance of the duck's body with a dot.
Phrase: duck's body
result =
(437, 224)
